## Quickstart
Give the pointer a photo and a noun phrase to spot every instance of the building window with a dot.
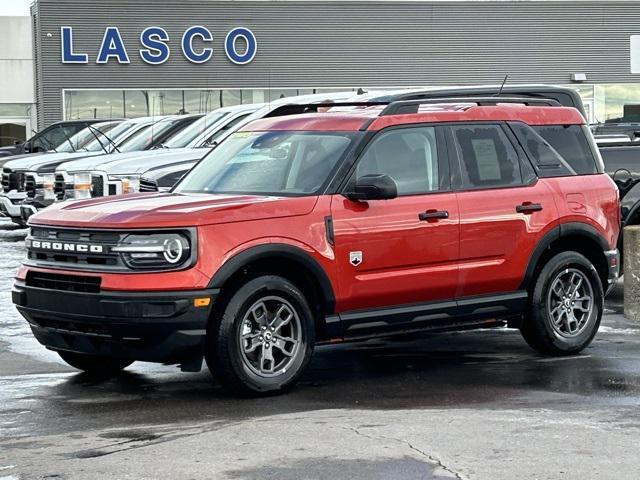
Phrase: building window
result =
(143, 103)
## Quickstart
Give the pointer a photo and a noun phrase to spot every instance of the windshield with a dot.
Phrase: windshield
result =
(184, 137)
(269, 163)
(116, 133)
(146, 137)
(84, 137)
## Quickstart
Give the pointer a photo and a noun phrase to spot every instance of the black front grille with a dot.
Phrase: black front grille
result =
(58, 248)
(97, 186)
(5, 179)
(148, 185)
(12, 180)
(67, 283)
(30, 186)
(59, 186)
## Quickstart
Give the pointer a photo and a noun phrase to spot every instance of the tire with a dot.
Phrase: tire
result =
(93, 364)
(249, 331)
(556, 322)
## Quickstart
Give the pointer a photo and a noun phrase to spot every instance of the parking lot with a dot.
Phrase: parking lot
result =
(473, 405)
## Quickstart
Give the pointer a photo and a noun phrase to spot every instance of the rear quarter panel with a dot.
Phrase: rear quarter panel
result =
(589, 199)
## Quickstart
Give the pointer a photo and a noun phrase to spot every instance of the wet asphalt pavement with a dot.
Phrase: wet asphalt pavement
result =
(472, 405)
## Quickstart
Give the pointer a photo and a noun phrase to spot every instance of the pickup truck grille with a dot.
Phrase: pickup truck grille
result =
(59, 186)
(30, 186)
(148, 185)
(77, 249)
(12, 180)
(97, 186)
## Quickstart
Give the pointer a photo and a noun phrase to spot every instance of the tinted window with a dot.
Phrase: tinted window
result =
(571, 142)
(548, 162)
(55, 137)
(407, 155)
(487, 157)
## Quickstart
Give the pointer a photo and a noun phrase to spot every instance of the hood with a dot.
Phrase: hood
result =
(46, 163)
(132, 162)
(162, 210)
(21, 157)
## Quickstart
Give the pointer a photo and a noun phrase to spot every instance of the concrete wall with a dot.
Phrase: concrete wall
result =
(16, 60)
(311, 44)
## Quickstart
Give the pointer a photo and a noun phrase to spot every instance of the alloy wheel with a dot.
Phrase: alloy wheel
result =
(570, 302)
(270, 336)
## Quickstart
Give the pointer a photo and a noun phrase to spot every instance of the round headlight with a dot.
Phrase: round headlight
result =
(172, 250)
(154, 250)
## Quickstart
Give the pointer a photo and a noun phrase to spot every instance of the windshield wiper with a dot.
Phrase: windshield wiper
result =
(94, 130)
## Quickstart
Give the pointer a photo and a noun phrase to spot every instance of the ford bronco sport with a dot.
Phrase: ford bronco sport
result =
(360, 221)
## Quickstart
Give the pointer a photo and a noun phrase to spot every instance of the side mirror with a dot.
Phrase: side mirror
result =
(373, 187)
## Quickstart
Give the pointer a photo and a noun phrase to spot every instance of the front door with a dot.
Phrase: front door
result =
(400, 251)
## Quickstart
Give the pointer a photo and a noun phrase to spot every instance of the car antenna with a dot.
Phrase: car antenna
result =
(502, 86)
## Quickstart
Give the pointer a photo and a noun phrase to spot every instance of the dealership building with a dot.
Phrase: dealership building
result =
(128, 58)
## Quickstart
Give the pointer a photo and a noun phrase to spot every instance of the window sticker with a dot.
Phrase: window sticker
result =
(486, 159)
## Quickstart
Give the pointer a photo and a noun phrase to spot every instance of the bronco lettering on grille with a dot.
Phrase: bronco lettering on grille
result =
(67, 247)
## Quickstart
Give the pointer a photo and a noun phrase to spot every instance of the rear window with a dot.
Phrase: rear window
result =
(557, 150)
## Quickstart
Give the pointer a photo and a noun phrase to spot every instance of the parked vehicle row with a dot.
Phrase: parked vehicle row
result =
(119, 164)
(147, 154)
(320, 222)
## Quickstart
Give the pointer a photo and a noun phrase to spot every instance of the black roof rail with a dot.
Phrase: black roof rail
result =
(402, 106)
(296, 108)
(412, 106)
(566, 96)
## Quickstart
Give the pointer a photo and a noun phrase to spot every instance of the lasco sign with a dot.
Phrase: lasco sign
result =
(155, 46)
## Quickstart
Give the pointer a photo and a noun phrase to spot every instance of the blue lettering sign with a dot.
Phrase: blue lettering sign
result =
(66, 46)
(156, 51)
(112, 46)
(187, 44)
(230, 45)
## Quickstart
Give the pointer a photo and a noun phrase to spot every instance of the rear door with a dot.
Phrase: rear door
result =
(404, 250)
(504, 209)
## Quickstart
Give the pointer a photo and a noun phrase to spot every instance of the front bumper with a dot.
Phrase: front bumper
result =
(162, 327)
(10, 203)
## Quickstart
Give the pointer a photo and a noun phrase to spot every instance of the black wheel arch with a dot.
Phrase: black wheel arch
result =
(563, 237)
(284, 256)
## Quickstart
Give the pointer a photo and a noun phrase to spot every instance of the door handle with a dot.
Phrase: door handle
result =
(528, 207)
(433, 215)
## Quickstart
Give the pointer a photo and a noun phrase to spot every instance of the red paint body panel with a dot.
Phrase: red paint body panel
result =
(501, 112)
(482, 247)
(496, 241)
(354, 120)
(404, 260)
(166, 210)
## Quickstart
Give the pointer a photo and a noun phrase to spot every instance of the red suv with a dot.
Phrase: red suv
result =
(313, 228)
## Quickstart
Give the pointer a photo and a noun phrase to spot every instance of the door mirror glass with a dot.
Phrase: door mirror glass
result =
(373, 187)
